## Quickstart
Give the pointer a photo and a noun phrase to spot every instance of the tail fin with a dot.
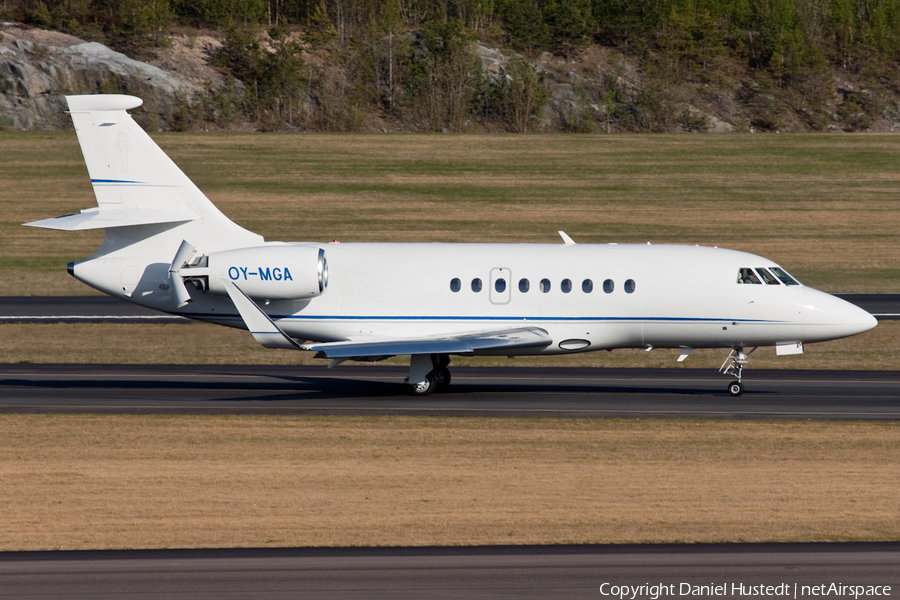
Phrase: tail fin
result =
(136, 183)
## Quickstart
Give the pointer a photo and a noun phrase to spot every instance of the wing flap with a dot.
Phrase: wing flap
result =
(467, 343)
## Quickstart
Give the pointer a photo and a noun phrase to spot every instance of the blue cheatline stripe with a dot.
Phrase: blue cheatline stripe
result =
(530, 320)
(113, 181)
(518, 319)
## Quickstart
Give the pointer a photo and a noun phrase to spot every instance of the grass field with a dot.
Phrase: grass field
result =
(119, 343)
(826, 207)
(823, 206)
(182, 481)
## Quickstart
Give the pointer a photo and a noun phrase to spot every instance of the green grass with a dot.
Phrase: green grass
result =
(823, 206)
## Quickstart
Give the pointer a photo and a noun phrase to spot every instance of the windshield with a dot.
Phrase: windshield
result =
(761, 275)
(784, 277)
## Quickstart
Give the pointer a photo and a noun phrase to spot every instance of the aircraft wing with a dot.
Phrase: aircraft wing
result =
(270, 335)
(465, 343)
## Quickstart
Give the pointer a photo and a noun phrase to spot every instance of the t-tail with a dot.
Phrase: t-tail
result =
(161, 230)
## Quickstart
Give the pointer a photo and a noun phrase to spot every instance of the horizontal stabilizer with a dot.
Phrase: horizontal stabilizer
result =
(468, 343)
(98, 218)
(264, 329)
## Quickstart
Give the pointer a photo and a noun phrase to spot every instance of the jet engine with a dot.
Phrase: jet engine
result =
(270, 272)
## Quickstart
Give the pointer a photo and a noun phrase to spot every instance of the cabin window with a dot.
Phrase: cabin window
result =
(455, 285)
(566, 286)
(500, 286)
(766, 276)
(524, 285)
(746, 275)
(609, 286)
(784, 277)
(545, 285)
(629, 286)
(476, 285)
(587, 286)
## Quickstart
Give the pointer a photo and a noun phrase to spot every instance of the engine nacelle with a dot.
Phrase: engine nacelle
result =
(277, 272)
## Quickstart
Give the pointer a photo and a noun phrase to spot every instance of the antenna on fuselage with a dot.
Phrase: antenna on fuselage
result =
(566, 239)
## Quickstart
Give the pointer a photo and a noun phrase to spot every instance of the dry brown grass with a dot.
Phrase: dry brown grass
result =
(824, 206)
(74, 482)
(122, 343)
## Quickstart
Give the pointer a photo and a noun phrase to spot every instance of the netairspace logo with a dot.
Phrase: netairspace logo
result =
(781, 590)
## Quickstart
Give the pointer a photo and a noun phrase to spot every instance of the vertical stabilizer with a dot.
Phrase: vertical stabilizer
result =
(134, 180)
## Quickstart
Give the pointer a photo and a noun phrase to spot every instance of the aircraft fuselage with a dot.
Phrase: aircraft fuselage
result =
(586, 296)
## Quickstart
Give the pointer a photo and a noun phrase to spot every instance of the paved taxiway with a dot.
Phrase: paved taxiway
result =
(501, 572)
(86, 309)
(78, 309)
(475, 391)
(529, 572)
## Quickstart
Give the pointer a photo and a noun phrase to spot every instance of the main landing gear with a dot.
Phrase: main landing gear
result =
(430, 372)
(737, 360)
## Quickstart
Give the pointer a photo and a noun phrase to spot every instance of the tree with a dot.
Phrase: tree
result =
(515, 97)
(319, 29)
(443, 78)
(273, 77)
(525, 26)
(570, 24)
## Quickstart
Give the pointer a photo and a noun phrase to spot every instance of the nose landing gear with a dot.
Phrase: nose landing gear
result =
(737, 360)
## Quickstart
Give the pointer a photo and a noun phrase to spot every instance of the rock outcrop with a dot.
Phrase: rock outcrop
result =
(37, 68)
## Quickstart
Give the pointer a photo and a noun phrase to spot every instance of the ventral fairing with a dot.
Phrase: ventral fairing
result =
(169, 248)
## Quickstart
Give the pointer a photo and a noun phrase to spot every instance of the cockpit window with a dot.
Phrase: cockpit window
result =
(784, 277)
(766, 276)
(746, 275)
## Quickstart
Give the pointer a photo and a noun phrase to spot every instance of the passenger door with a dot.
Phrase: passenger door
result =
(500, 289)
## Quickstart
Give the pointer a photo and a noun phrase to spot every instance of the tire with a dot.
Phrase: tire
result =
(424, 388)
(441, 378)
(736, 388)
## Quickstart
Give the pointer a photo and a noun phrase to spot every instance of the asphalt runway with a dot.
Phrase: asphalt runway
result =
(78, 309)
(474, 391)
(520, 572)
(492, 572)
(85, 309)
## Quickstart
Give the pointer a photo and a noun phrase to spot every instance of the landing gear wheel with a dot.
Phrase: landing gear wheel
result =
(736, 388)
(424, 388)
(441, 378)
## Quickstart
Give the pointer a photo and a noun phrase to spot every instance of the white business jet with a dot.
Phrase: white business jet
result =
(169, 248)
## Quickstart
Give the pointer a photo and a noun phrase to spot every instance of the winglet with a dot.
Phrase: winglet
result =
(264, 329)
(566, 239)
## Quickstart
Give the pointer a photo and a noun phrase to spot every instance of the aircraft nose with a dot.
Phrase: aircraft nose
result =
(829, 318)
(856, 319)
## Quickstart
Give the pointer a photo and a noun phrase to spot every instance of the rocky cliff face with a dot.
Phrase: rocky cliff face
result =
(37, 68)
(601, 89)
